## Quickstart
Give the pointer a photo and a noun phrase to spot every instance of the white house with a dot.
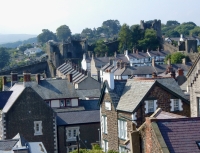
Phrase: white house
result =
(32, 51)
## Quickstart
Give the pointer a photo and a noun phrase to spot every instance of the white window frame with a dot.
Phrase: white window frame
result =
(104, 126)
(105, 145)
(71, 130)
(180, 105)
(38, 128)
(147, 106)
(122, 149)
(107, 105)
(122, 129)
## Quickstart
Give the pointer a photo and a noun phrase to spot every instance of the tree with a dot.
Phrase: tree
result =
(137, 34)
(125, 38)
(175, 57)
(63, 32)
(45, 36)
(112, 26)
(184, 28)
(4, 57)
(172, 23)
(87, 32)
(172, 33)
(195, 31)
(101, 48)
(150, 40)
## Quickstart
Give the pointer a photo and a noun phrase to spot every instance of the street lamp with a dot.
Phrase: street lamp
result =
(99, 138)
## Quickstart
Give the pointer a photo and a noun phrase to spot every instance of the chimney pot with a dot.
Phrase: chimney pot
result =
(180, 72)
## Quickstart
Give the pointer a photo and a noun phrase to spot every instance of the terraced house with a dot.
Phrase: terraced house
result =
(123, 103)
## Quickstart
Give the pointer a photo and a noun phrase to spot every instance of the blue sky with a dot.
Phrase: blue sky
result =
(30, 17)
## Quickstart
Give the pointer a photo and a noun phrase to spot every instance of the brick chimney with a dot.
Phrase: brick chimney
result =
(173, 74)
(37, 78)
(4, 81)
(14, 78)
(27, 79)
(69, 77)
(180, 72)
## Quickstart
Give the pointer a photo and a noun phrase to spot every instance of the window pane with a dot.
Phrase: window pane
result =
(68, 103)
(69, 133)
(150, 106)
(74, 133)
(176, 104)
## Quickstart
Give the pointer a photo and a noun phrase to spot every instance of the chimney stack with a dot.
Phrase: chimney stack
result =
(27, 79)
(184, 61)
(137, 51)
(37, 78)
(180, 72)
(153, 62)
(169, 61)
(115, 55)
(14, 78)
(106, 54)
(4, 81)
(173, 74)
(109, 76)
(84, 56)
(126, 52)
(69, 77)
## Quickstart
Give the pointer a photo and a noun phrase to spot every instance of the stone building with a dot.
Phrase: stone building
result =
(193, 81)
(123, 103)
(58, 52)
(154, 24)
(25, 112)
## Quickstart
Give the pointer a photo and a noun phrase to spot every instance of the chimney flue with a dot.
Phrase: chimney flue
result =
(37, 78)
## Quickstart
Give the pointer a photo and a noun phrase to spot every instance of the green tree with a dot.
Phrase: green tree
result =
(125, 38)
(101, 48)
(175, 58)
(4, 57)
(172, 33)
(195, 31)
(137, 34)
(45, 36)
(63, 32)
(172, 23)
(185, 28)
(87, 32)
(112, 26)
(150, 40)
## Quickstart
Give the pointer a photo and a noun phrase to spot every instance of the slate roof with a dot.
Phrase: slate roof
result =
(89, 104)
(135, 90)
(8, 144)
(138, 55)
(180, 135)
(158, 53)
(82, 94)
(17, 90)
(54, 89)
(78, 117)
(4, 96)
(115, 94)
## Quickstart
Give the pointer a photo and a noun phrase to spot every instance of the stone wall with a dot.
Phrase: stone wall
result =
(169, 47)
(30, 107)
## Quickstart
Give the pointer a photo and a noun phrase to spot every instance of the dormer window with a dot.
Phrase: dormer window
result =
(62, 103)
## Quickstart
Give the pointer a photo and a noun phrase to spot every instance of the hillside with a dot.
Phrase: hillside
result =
(8, 38)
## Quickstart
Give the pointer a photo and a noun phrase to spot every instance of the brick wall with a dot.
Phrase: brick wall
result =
(30, 107)
(150, 143)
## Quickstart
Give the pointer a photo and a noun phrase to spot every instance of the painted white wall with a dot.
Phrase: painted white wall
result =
(55, 103)
(109, 76)
(74, 102)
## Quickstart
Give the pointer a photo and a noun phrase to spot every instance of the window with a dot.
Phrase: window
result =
(38, 128)
(121, 149)
(48, 103)
(62, 103)
(107, 105)
(122, 129)
(71, 133)
(176, 104)
(68, 102)
(150, 106)
(105, 145)
(198, 106)
(104, 124)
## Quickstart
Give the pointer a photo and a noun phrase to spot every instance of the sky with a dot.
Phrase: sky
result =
(30, 17)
